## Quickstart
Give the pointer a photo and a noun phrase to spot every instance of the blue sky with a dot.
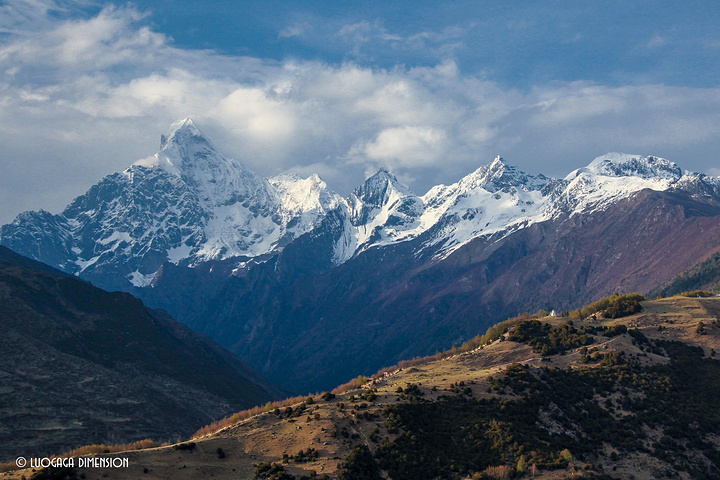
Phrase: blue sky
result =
(518, 43)
(430, 90)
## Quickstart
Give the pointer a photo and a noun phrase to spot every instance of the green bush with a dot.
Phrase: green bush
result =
(615, 331)
(272, 471)
(614, 306)
(697, 293)
(547, 340)
(360, 465)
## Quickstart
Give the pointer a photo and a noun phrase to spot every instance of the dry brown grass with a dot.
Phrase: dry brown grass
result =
(249, 413)
(492, 334)
(102, 448)
(266, 438)
(353, 384)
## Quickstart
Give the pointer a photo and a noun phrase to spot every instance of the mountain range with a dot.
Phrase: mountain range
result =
(312, 288)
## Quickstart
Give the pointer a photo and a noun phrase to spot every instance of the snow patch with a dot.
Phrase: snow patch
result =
(115, 237)
(141, 280)
(83, 264)
(176, 254)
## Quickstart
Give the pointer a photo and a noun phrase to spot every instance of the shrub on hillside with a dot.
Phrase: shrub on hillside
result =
(492, 334)
(245, 414)
(360, 464)
(545, 339)
(614, 306)
(697, 293)
(103, 448)
(615, 331)
(460, 437)
(271, 471)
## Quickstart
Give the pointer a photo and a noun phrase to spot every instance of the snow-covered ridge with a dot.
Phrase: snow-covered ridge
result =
(611, 177)
(623, 165)
(499, 198)
(494, 197)
(189, 204)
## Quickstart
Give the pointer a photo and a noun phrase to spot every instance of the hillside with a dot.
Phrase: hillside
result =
(632, 397)
(703, 276)
(80, 365)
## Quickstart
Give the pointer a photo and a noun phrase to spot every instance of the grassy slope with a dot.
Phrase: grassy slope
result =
(453, 406)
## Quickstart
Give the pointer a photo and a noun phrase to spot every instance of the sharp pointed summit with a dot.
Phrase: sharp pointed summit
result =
(499, 175)
(214, 178)
(183, 132)
(183, 128)
(182, 147)
(380, 192)
(187, 204)
(377, 189)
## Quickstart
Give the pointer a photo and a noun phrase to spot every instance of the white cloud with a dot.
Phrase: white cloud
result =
(408, 146)
(255, 116)
(365, 38)
(360, 29)
(114, 37)
(82, 98)
(576, 102)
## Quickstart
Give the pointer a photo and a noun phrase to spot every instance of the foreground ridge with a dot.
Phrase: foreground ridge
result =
(536, 397)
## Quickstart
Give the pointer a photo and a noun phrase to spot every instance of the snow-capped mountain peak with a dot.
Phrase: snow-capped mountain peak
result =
(179, 132)
(298, 194)
(218, 181)
(382, 210)
(303, 202)
(624, 165)
(380, 194)
(499, 175)
(379, 188)
(181, 142)
(186, 205)
(611, 177)
(189, 204)
(494, 197)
